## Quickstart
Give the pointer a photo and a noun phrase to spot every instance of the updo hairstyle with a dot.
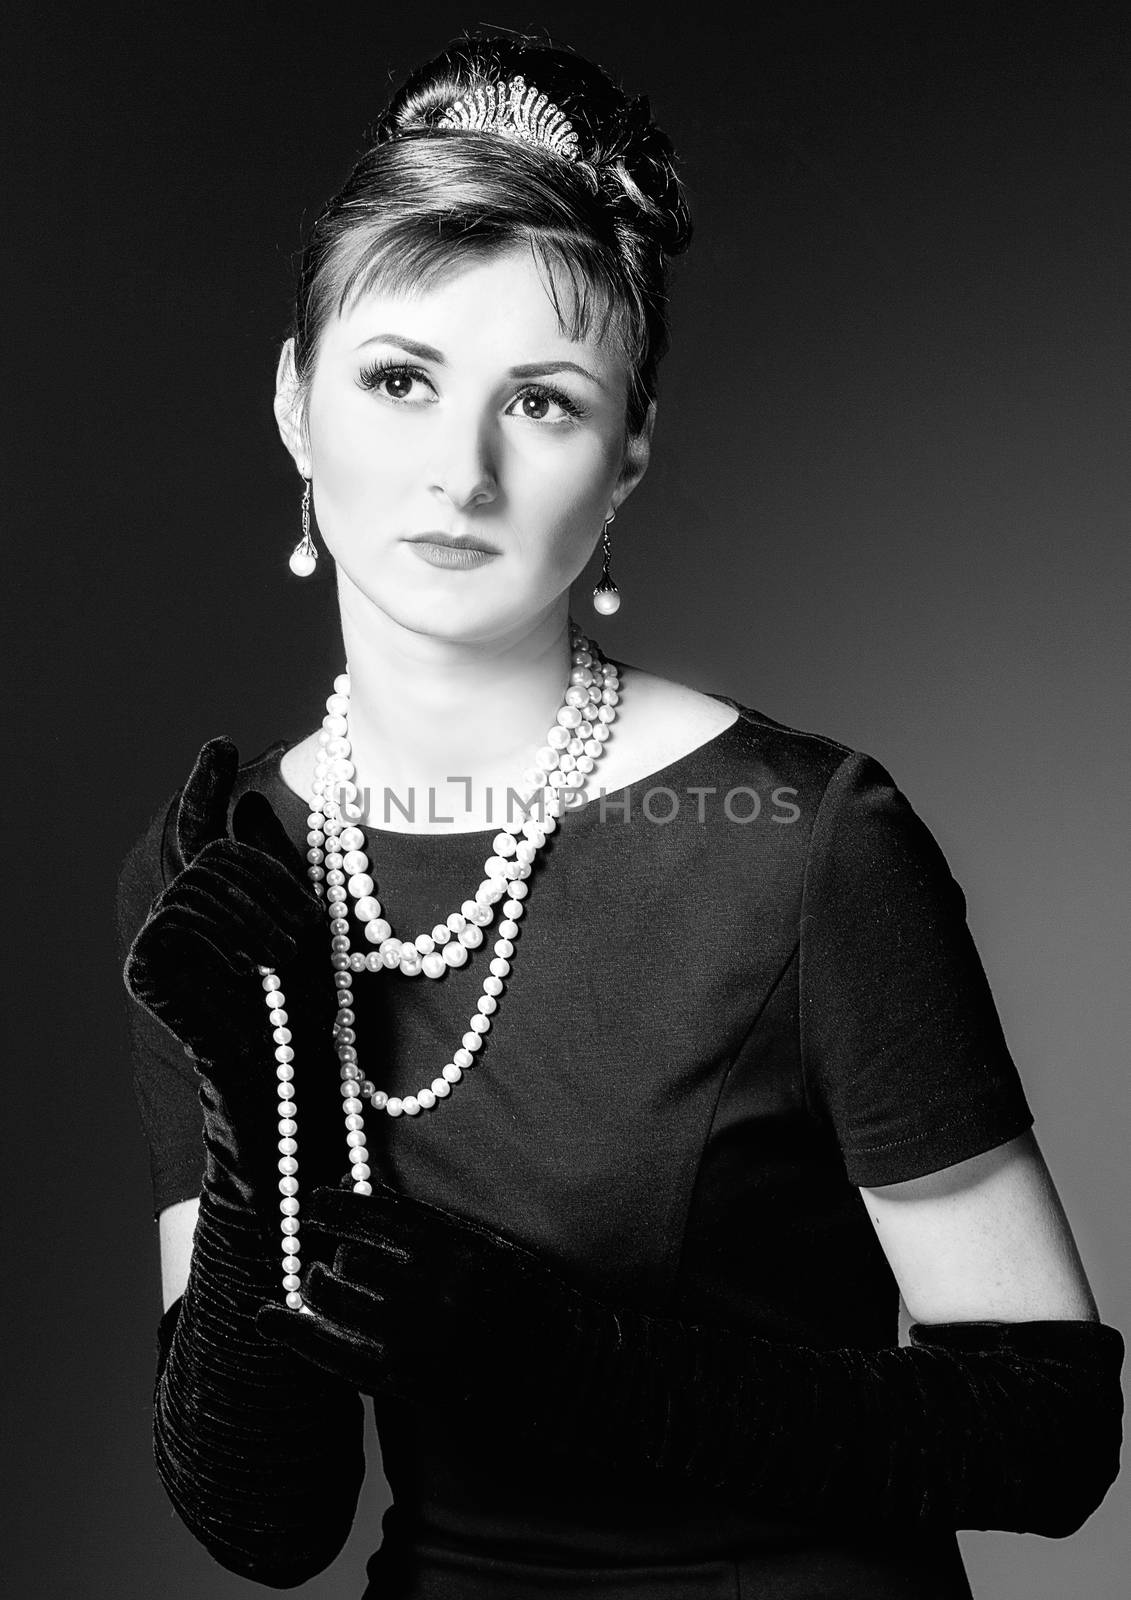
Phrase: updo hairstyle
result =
(424, 199)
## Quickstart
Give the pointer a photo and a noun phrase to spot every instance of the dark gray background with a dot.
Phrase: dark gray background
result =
(889, 502)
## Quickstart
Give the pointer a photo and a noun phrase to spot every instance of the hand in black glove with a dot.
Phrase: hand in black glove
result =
(242, 900)
(426, 1305)
(1005, 1425)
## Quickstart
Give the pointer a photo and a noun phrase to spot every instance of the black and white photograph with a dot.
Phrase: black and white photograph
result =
(573, 565)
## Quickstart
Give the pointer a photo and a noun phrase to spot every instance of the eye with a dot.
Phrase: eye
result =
(392, 379)
(537, 398)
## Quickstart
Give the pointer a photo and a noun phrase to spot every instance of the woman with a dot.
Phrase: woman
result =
(620, 1268)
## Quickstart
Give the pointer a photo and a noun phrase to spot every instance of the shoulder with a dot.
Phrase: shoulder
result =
(661, 720)
(671, 718)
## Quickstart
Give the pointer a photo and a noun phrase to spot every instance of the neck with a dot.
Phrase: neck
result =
(455, 717)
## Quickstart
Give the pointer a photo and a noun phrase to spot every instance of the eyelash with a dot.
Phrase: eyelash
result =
(371, 376)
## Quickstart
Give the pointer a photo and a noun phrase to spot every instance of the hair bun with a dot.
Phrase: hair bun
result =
(636, 173)
(626, 158)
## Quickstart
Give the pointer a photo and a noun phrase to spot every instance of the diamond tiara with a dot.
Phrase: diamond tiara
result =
(517, 111)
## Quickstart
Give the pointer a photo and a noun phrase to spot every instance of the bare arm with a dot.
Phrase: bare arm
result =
(984, 1240)
(175, 1228)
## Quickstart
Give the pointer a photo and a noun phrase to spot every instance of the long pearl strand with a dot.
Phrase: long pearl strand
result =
(338, 869)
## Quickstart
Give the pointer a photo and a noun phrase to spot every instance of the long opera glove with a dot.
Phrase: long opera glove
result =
(260, 1452)
(976, 1425)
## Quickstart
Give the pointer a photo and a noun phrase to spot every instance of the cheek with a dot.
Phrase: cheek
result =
(568, 494)
(361, 477)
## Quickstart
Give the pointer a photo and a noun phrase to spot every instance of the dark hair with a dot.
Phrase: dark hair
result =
(422, 199)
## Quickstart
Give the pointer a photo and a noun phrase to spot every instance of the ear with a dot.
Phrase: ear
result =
(289, 414)
(637, 454)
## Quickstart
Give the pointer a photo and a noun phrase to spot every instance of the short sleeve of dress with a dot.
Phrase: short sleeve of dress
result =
(164, 1081)
(901, 1042)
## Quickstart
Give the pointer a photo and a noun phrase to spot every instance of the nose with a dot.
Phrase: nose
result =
(465, 465)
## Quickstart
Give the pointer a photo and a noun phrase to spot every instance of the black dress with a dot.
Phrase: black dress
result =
(744, 987)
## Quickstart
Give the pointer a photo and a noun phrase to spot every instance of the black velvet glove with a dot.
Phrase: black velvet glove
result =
(260, 1452)
(977, 1425)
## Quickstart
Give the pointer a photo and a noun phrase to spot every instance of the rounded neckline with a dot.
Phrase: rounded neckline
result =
(298, 801)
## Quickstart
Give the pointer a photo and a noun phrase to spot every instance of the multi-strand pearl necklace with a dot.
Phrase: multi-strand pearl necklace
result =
(338, 869)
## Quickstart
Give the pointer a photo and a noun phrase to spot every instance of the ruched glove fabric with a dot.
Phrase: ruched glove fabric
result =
(259, 1451)
(976, 1425)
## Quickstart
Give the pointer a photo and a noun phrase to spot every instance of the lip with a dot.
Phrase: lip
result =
(453, 542)
(454, 554)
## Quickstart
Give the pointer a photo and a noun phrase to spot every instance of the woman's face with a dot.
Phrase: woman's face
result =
(463, 411)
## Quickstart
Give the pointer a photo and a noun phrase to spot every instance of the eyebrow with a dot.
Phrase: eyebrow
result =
(529, 369)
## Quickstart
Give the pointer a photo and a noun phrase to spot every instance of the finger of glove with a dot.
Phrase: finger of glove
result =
(258, 885)
(202, 814)
(255, 823)
(170, 958)
(318, 1340)
(394, 1222)
(195, 918)
(383, 1270)
(343, 1301)
(254, 887)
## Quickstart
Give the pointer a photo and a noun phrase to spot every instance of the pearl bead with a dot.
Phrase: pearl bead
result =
(434, 965)
(606, 601)
(455, 954)
(302, 565)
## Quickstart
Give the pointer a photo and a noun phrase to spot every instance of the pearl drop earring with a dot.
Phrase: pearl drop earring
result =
(304, 557)
(606, 596)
